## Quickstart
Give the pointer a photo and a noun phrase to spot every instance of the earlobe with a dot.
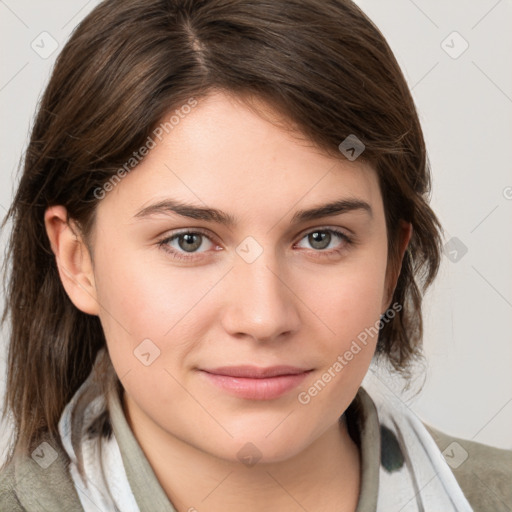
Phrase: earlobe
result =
(406, 230)
(405, 238)
(72, 258)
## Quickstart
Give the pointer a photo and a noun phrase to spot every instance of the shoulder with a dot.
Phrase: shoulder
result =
(8, 498)
(39, 481)
(483, 472)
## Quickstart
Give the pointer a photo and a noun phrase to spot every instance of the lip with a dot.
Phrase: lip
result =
(254, 383)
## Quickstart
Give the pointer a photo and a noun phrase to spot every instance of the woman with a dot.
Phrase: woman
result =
(222, 220)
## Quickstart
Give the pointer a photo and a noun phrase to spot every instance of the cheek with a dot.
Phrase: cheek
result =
(350, 308)
(349, 299)
(144, 294)
(147, 300)
(349, 303)
(148, 324)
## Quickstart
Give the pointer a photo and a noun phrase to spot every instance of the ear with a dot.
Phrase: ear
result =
(405, 234)
(73, 259)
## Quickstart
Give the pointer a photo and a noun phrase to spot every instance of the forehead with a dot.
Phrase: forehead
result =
(224, 154)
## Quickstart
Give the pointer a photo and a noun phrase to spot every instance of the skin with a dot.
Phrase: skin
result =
(294, 305)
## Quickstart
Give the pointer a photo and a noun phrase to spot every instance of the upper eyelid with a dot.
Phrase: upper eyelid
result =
(344, 231)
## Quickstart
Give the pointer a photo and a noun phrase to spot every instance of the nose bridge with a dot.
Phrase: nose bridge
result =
(259, 303)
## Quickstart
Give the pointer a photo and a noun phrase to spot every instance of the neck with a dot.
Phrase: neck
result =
(325, 476)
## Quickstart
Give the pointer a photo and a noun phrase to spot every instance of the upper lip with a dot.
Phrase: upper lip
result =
(254, 372)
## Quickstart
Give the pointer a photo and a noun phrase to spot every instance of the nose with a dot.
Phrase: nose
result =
(259, 302)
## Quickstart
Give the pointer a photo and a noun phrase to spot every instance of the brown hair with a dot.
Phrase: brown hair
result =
(322, 64)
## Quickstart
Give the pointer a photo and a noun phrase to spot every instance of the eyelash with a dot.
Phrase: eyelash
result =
(348, 241)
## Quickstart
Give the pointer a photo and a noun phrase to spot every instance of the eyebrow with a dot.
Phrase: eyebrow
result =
(169, 206)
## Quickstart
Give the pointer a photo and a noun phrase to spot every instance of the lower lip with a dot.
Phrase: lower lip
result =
(256, 389)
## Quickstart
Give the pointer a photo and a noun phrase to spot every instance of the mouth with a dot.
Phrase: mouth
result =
(254, 383)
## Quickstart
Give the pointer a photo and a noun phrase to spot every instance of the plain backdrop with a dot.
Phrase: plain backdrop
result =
(456, 56)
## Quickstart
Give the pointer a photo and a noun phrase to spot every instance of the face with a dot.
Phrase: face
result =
(276, 297)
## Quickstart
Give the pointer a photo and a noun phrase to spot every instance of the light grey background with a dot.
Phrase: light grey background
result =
(465, 105)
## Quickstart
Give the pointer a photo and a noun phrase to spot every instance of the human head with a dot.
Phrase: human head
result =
(131, 63)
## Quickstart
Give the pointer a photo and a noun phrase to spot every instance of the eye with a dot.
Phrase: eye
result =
(321, 239)
(184, 245)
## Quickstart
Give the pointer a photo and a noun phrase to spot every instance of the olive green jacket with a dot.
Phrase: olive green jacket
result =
(485, 476)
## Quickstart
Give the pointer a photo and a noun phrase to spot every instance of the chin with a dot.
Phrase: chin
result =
(258, 447)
